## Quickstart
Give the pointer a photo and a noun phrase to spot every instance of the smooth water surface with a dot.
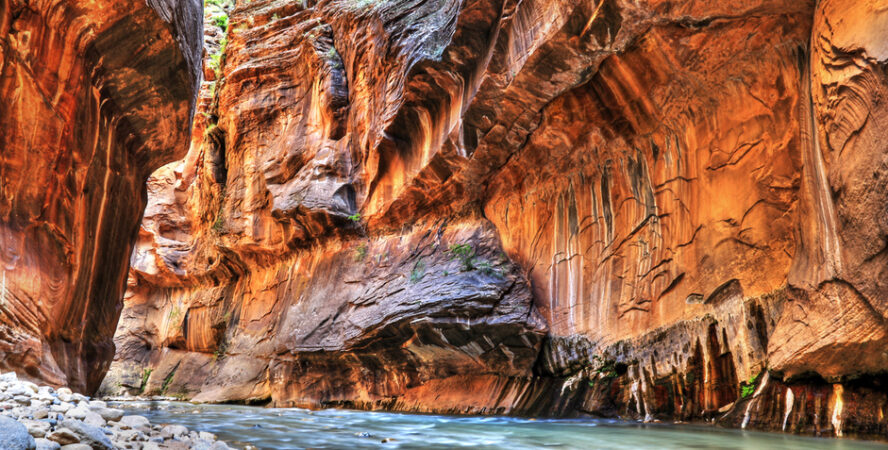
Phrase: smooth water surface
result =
(294, 428)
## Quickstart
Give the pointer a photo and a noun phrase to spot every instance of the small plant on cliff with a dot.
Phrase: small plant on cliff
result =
(488, 269)
(602, 369)
(220, 221)
(418, 271)
(167, 380)
(606, 368)
(355, 217)
(216, 59)
(465, 254)
(174, 313)
(221, 21)
(747, 388)
(361, 252)
(220, 349)
(145, 374)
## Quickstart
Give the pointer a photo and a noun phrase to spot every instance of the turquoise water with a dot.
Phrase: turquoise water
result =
(292, 428)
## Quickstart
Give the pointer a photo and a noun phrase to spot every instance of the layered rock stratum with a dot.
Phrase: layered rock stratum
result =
(95, 96)
(647, 209)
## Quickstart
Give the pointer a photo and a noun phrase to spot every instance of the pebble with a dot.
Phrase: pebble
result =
(36, 417)
(46, 444)
(76, 447)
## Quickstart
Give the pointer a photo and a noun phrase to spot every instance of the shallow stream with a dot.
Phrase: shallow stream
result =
(268, 428)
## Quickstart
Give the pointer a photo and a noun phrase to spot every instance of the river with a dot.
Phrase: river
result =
(293, 428)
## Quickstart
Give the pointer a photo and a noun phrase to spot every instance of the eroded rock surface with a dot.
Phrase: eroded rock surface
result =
(661, 210)
(96, 95)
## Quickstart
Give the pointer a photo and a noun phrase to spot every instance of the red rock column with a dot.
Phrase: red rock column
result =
(94, 98)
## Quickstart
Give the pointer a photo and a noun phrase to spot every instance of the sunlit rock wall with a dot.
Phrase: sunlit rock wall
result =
(95, 96)
(647, 209)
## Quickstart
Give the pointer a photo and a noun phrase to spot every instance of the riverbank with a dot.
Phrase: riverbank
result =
(42, 418)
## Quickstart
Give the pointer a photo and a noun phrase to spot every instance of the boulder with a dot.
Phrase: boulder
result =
(89, 435)
(14, 435)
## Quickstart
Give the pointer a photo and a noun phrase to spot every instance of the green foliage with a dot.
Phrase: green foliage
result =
(355, 217)
(486, 268)
(167, 381)
(606, 368)
(747, 388)
(361, 252)
(418, 271)
(603, 369)
(216, 58)
(466, 255)
(333, 56)
(220, 221)
(145, 374)
(175, 313)
(221, 21)
(275, 16)
(220, 349)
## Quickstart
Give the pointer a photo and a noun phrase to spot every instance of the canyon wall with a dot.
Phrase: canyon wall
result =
(96, 95)
(647, 209)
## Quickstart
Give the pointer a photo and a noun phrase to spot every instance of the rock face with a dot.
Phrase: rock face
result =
(670, 210)
(95, 97)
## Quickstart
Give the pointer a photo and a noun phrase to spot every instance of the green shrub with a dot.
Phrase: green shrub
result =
(747, 388)
(167, 380)
(221, 348)
(418, 271)
(216, 59)
(606, 368)
(221, 21)
(465, 254)
(361, 252)
(145, 374)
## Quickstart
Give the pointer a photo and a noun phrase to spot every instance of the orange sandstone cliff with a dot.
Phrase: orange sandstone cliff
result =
(93, 97)
(647, 209)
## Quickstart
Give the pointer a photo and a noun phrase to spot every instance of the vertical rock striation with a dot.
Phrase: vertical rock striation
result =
(658, 210)
(96, 95)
